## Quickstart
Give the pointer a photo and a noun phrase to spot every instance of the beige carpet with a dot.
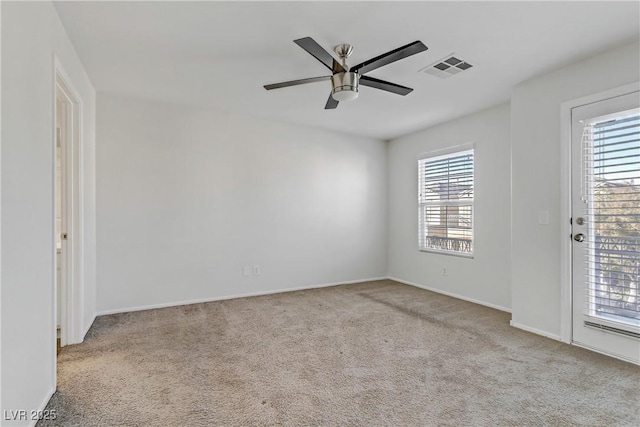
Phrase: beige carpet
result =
(371, 354)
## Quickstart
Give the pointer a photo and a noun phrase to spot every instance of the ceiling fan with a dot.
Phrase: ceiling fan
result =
(345, 80)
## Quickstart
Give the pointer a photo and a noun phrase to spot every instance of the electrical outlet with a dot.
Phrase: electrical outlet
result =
(246, 270)
(256, 270)
(444, 271)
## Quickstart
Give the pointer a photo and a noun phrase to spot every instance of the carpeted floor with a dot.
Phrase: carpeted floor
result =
(371, 354)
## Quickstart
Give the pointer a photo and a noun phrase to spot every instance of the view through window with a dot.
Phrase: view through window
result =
(612, 193)
(445, 203)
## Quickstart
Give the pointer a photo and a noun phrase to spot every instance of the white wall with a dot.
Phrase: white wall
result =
(485, 278)
(1, 209)
(31, 35)
(535, 134)
(187, 197)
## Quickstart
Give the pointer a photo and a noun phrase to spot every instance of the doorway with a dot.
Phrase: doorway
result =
(605, 226)
(66, 213)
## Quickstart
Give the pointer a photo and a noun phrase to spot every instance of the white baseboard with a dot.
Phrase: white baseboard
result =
(86, 330)
(535, 331)
(451, 294)
(43, 405)
(226, 297)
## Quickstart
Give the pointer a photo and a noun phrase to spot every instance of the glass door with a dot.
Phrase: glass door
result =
(606, 226)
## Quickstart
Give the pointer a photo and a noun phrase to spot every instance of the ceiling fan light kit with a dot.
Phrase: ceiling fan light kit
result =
(345, 81)
(344, 86)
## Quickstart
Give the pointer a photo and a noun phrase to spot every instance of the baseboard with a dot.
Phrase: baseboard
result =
(535, 331)
(86, 330)
(42, 406)
(451, 294)
(227, 297)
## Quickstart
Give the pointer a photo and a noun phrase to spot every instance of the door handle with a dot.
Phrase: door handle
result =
(579, 237)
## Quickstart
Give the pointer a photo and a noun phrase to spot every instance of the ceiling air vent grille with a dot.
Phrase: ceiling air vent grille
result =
(446, 67)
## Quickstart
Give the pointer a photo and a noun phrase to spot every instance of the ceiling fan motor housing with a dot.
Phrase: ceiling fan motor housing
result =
(344, 86)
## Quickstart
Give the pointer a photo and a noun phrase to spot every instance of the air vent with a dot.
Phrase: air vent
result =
(446, 67)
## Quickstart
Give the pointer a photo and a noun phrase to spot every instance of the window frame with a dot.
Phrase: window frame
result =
(422, 225)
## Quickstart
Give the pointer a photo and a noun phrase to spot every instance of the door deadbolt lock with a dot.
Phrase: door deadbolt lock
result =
(579, 237)
(64, 236)
(580, 221)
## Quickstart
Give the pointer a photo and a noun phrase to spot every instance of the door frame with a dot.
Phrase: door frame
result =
(566, 245)
(72, 288)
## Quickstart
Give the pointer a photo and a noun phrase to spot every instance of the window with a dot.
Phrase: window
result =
(611, 197)
(445, 203)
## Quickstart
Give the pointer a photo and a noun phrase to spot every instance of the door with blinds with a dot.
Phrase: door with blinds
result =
(606, 226)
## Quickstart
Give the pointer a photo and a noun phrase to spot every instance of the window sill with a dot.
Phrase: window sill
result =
(456, 254)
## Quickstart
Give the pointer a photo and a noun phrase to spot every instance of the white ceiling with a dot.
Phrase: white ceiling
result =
(220, 54)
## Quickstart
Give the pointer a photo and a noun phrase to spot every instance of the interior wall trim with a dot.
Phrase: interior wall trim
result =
(41, 408)
(535, 331)
(452, 294)
(234, 296)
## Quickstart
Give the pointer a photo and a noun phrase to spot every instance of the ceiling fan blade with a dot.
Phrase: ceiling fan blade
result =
(389, 57)
(331, 103)
(310, 45)
(382, 85)
(296, 82)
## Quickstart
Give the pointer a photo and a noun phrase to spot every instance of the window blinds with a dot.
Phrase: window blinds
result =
(445, 200)
(611, 192)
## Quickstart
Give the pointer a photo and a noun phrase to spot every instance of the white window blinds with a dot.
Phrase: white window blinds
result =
(611, 192)
(445, 203)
